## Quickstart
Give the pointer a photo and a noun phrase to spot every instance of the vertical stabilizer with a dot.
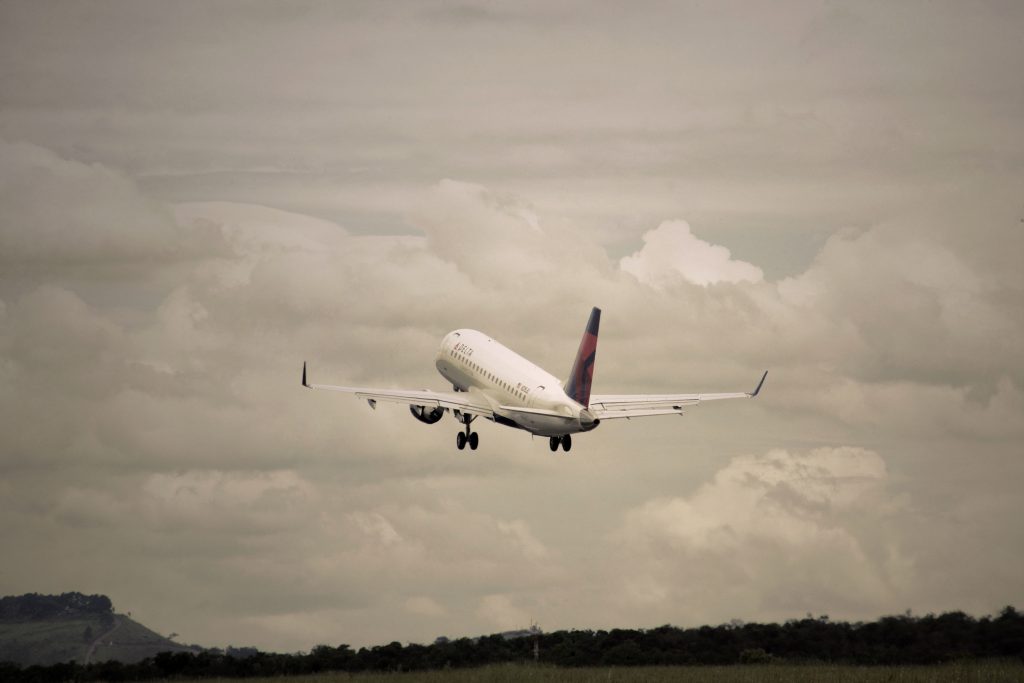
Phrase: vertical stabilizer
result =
(582, 375)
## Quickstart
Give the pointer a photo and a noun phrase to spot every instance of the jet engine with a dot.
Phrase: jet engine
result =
(427, 415)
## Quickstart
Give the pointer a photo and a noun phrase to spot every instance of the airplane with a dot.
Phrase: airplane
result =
(493, 382)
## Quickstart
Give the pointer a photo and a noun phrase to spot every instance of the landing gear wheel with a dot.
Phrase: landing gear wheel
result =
(567, 442)
(474, 441)
(460, 440)
(553, 442)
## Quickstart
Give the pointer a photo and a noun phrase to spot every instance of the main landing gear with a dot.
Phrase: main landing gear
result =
(467, 437)
(564, 441)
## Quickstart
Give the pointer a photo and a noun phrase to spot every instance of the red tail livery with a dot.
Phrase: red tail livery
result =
(582, 376)
(491, 381)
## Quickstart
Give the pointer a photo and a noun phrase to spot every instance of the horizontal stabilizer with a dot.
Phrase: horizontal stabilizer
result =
(611, 406)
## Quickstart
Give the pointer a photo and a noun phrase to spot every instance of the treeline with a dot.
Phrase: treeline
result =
(890, 640)
(35, 606)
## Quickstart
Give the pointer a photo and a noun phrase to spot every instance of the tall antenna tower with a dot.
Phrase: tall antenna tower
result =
(536, 641)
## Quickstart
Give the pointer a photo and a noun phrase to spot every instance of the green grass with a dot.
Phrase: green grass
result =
(46, 641)
(54, 641)
(960, 672)
(132, 642)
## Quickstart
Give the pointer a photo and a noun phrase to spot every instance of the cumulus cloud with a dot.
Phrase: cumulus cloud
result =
(159, 406)
(672, 253)
(57, 210)
(916, 309)
(520, 532)
(425, 606)
(264, 501)
(780, 533)
(915, 409)
(174, 242)
(501, 612)
(502, 241)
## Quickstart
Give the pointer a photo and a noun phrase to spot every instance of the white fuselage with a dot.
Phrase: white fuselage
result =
(521, 393)
(493, 382)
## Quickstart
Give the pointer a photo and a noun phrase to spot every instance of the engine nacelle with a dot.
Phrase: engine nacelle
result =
(427, 415)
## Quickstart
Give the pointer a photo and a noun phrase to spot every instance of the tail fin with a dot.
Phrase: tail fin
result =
(582, 375)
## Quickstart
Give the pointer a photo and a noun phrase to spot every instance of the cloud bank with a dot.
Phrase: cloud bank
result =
(672, 252)
(172, 422)
(185, 221)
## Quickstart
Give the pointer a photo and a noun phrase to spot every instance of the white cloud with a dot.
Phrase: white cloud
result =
(163, 401)
(916, 409)
(377, 528)
(237, 502)
(519, 531)
(502, 613)
(253, 228)
(777, 534)
(898, 304)
(425, 606)
(499, 241)
(58, 211)
(672, 253)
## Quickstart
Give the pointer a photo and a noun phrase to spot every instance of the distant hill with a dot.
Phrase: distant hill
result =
(49, 629)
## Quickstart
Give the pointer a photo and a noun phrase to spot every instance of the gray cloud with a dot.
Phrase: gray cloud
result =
(198, 198)
(781, 532)
(69, 213)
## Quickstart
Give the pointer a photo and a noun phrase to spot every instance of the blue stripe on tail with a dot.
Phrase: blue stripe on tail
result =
(582, 375)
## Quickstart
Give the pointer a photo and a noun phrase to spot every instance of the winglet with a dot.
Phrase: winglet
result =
(758, 389)
(304, 383)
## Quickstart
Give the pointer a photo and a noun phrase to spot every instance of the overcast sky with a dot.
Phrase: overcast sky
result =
(196, 197)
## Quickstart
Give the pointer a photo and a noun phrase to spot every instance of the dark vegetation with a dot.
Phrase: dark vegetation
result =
(52, 629)
(35, 606)
(891, 640)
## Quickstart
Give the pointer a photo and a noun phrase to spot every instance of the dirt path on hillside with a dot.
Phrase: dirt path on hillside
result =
(98, 641)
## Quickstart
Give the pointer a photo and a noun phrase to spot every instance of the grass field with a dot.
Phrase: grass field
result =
(46, 641)
(53, 641)
(965, 672)
(132, 642)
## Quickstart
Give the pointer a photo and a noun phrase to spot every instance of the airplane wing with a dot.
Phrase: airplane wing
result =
(472, 402)
(614, 406)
